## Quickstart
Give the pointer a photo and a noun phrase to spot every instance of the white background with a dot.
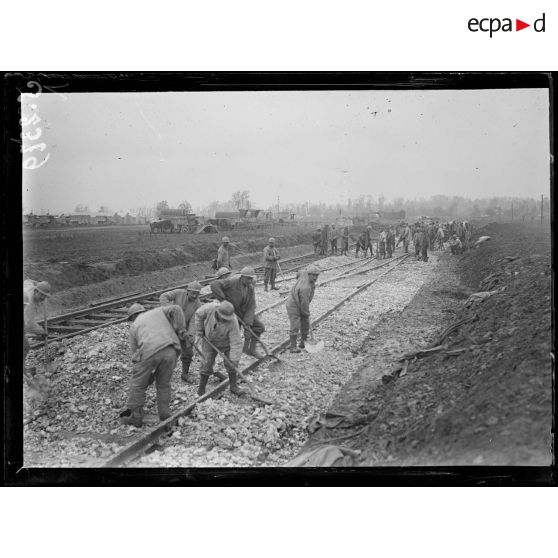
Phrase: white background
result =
(287, 35)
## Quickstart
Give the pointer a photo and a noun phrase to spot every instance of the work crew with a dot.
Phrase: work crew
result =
(224, 254)
(317, 241)
(217, 323)
(271, 256)
(188, 300)
(239, 291)
(35, 294)
(298, 306)
(345, 241)
(334, 236)
(155, 339)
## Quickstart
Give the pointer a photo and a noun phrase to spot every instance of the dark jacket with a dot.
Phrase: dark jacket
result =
(242, 297)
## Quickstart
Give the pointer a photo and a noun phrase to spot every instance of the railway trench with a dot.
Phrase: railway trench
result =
(79, 427)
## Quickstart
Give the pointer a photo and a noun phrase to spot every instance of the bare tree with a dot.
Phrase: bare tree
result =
(186, 205)
(81, 209)
(241, 199)
(162, 205)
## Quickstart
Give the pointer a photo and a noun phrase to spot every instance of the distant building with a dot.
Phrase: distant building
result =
(78, 219)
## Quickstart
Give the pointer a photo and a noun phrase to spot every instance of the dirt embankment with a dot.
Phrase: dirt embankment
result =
(486, 398)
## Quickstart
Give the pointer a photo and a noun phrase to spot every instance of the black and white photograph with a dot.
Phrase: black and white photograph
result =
(286, 271)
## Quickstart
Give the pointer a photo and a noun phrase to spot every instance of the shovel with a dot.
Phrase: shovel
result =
(313, 347)
(268, 354)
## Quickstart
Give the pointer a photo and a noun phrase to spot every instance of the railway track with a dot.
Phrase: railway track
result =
(114, 311)
(354, 285)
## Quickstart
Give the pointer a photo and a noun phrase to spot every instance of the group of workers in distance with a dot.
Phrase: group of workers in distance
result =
(183, 325)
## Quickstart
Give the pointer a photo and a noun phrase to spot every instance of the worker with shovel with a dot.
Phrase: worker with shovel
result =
(271, 257)
(217, 324)
(239, 291)
(188, 300)
(155, 338)
(298, 307)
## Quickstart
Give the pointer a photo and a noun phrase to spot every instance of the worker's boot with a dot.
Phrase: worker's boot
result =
(220, 376)
(185, 369)
(303, 338)
(273, 287)
(203, 383)
(234, 384)
(246, 347)
(265, 287)
(292, 347)
(132, 416)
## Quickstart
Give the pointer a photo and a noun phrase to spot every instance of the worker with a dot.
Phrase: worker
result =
(424, 241)
(218, 324)
(455, 245)
(188, 300)
(405, 237)
(345, 241)
(325, 240)
(334, 237)
(317, 241)
(382, 244)
(224, 254)
(440, 237)
(361, 244)
(389, 240)
(369, 241)
(223, 272)
(35, 294)
(239, 291)
(155, 338)
(298, 306)
(271, 256)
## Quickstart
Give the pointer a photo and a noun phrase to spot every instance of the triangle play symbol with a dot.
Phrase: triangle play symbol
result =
(519, 25)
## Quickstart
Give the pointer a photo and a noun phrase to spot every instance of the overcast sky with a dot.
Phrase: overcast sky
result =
(126, 150)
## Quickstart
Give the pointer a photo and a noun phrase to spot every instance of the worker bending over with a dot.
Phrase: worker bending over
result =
(188, 300)
(239, 291)
(217, 323)
(35, 294)
(155, 339)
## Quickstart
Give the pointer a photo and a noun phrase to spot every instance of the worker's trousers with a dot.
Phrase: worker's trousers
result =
(298, 322)
(209, 356)
(187, 351)
(270, 273)
(257, 327)
(161, 365)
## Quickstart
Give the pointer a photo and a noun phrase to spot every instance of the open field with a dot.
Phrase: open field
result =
(76, 257)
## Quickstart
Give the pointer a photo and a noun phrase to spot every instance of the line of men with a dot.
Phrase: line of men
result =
(183, 325)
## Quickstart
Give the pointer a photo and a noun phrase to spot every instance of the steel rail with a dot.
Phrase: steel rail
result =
(139, 446)
(118, 305)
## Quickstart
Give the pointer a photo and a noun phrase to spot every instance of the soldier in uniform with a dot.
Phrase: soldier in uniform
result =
(155, 338)
(188, 300)
(218, 324)
(345, 242)
(317, 241)
(271, 256)
(298, 306)
(239, 291)
(224, 254)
